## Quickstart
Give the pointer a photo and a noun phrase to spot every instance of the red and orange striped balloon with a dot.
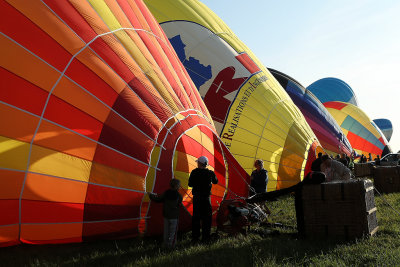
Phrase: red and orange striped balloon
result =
(96, 110)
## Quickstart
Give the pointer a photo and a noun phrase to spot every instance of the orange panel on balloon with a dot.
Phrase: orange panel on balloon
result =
(63, 140)
(47, 188)
(186, 194)
(51, 233)
(218, 190)
(33, 70)
(20, 125)
(100, 174)
(10, 184)
(185, 163)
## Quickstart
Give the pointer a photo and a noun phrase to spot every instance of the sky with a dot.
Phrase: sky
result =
(357, 41)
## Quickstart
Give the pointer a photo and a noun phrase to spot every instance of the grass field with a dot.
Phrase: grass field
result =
(282, 248)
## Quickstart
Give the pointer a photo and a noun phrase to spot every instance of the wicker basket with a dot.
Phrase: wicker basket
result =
(363, 169)
(387, 179)
(341, 209)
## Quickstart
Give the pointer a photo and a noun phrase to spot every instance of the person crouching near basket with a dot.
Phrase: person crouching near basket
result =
(172, 202)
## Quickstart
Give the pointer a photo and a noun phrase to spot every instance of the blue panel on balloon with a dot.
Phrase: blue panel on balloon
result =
(385, 126)
(333, 89)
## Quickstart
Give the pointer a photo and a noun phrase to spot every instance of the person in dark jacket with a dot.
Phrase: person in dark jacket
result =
(259, 178)
(316, 164)
(201, 180)
(172, 202)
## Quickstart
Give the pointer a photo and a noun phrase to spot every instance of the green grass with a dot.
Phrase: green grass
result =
(283, 249)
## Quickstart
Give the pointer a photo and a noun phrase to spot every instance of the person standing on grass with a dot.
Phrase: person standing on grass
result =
(259, 178)
(172, 202)
(201, 180)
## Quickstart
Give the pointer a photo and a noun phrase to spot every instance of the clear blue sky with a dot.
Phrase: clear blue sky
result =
(357, 41)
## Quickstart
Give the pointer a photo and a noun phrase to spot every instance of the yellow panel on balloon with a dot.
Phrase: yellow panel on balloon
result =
(154, 157)
(338, 115)
(51, 162)
(13, 154)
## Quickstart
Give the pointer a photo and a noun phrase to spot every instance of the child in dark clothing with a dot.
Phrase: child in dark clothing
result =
(172, 202)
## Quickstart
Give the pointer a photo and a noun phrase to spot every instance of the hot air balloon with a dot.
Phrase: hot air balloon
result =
(333, 89)
(253, 114)
(363, 135)
(95, 111)
(320, 120)
(385, 126)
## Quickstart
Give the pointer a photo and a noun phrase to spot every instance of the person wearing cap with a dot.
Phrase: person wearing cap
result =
(259, 178)
(201, 180)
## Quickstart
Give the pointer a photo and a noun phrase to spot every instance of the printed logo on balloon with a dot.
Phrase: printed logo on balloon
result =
(217, 83)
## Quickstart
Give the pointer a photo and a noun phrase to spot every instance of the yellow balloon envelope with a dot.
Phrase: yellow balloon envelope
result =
(253, 114)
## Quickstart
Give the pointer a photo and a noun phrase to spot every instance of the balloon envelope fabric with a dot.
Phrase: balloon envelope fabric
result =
(386, 127)
(363, 134)
(333, 89)
(96, 110)
(253, 114)
(320, 120)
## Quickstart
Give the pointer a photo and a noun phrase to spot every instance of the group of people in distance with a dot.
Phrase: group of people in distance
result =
(201, 180)
(365, 159)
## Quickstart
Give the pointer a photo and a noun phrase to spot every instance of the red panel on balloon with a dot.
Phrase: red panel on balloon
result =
(122, 136)
(154, 102)
(248, 63)
(9, 211)
(358, 142)
(335, 105)
(105, 203)
(23, 95)
(117, 160)
(110, 230)
(73, 19)
(128, 107)
(70, 117)
(51, 212)
(89, 80)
